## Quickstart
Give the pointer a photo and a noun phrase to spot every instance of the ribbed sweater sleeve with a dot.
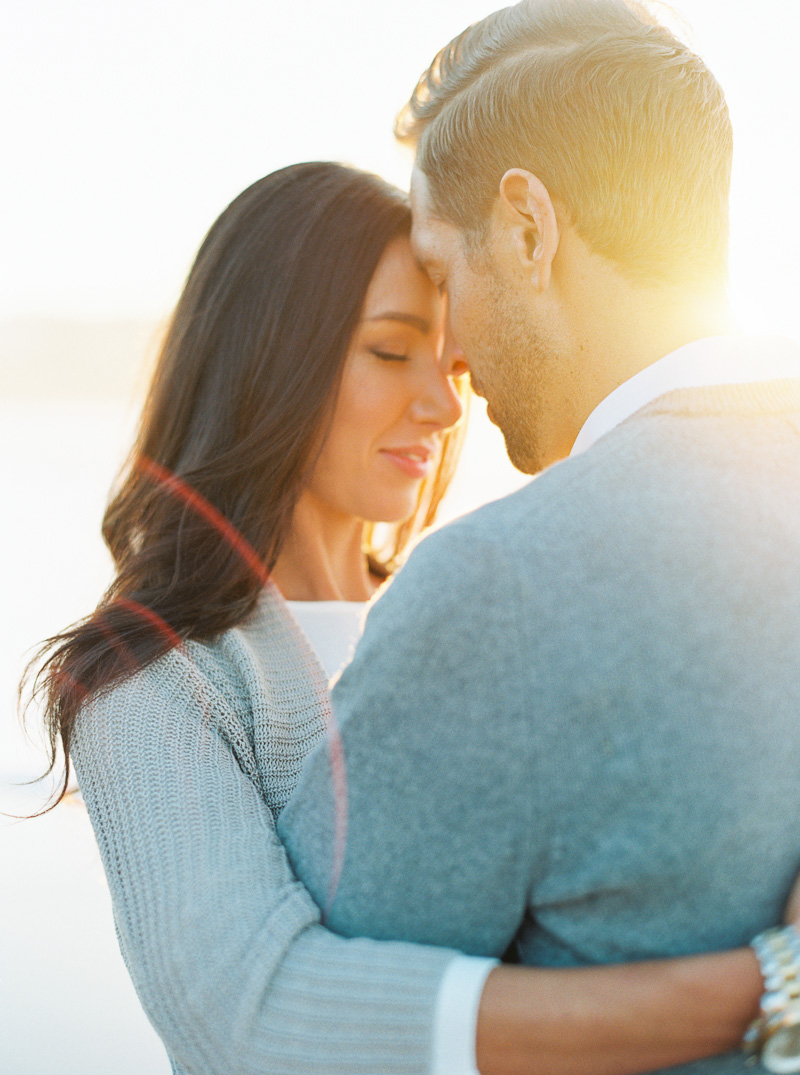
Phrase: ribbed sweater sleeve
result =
(223, 944)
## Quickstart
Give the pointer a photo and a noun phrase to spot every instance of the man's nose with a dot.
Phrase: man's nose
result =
(454, 362)
(445, 404)
(438, 402)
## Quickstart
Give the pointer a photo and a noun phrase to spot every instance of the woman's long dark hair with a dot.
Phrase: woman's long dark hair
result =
(244, 384)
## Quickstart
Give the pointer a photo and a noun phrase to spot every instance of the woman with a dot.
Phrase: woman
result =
(299, 398)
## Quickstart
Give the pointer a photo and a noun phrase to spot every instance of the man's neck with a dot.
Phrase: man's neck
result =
(629, 332)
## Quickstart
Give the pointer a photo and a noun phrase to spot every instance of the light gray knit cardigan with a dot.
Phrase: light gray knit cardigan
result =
(184, 769)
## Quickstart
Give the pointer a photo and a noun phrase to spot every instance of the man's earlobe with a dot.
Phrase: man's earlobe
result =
(529, 213)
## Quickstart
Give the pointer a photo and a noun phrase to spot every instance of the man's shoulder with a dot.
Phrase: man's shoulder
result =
(559, 499)
(671, 474)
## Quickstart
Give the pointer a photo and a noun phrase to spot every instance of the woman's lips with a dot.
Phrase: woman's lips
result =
(415, 462)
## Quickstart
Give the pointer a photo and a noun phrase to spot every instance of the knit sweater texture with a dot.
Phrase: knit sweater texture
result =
(573, 721)
(184, 768)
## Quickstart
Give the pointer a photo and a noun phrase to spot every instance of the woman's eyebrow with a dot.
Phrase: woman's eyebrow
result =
(406, 319)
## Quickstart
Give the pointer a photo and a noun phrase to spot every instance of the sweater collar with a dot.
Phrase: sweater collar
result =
(716, 360)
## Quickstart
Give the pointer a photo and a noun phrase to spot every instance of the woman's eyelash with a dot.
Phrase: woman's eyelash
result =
(389, 356)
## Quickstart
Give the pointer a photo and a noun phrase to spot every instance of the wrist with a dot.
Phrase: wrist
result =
(774, 1036)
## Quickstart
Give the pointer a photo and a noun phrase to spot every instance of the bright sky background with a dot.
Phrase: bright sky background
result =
(130, 126)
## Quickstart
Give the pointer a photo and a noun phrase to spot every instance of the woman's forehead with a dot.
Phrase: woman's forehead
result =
(399, 287)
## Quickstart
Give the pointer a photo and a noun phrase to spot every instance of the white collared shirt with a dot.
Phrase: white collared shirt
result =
(715, 360)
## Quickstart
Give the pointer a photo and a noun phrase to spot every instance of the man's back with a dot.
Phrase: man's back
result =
(575, 717)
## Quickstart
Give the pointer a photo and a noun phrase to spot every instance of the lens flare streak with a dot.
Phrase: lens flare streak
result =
(176, 487)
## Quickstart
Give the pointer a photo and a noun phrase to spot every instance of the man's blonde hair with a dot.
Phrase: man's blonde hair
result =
(620, 120)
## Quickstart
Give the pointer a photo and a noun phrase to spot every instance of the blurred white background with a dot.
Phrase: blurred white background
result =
(128, 128)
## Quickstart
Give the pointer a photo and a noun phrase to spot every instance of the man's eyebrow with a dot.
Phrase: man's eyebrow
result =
(405, 319)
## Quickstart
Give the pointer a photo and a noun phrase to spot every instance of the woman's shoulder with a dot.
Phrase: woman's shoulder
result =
(252, 658)
(187, 683)
(257, 686)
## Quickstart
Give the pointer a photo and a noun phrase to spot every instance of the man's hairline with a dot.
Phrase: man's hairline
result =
(467, 234)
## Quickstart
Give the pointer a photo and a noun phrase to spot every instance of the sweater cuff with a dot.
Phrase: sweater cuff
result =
(456, 1019)
(354, 1006)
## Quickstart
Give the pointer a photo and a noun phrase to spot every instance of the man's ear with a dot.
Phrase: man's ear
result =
(527, 212)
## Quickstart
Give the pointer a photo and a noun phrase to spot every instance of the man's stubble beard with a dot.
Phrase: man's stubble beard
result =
(518, 354)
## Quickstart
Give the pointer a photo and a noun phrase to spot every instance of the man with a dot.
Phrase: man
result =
(573, 719)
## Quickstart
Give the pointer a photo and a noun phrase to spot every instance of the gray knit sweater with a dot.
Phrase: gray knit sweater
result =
(183, 769)
(574, 717)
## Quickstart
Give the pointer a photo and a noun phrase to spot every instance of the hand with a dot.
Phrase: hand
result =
(791, 915)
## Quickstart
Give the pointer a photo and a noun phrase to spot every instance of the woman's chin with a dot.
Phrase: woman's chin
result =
(394, 510)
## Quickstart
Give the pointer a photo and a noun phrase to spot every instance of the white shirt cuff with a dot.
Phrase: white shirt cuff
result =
(456, 1019)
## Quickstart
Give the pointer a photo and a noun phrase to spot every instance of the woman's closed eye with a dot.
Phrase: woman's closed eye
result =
(389, 356)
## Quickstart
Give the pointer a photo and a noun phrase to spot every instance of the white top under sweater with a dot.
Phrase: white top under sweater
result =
(333, 628)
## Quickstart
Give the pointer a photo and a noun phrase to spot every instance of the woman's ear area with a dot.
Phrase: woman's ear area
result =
(525, 212)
